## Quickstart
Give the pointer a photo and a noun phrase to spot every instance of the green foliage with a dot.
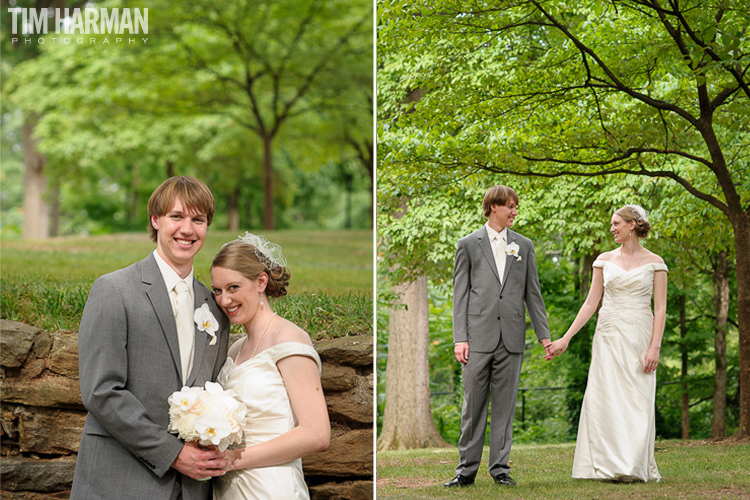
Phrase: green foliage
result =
(582, 108)
(542, 88)
(337, 196)
(114, 120)
(11, 173)
(418, 230)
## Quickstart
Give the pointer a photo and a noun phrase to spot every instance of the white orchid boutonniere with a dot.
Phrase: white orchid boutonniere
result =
(206, 322)
(512, 249)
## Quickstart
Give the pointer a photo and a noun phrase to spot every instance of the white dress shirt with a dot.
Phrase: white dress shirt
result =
(498, 242)
(186, 337)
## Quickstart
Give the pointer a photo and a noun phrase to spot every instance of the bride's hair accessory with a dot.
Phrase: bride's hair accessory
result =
(269, 254)
(639, 214)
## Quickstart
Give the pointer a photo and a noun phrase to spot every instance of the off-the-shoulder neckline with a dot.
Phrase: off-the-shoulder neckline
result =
(236, 365)
(634, 269)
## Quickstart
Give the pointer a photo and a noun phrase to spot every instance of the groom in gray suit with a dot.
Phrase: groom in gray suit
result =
(494, 276)
(136, 347)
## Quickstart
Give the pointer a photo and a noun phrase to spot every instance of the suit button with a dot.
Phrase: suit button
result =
(498, 318)
(501, 297)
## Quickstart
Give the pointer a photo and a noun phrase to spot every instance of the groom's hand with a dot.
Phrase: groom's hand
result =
(200, 462)
(461, 350)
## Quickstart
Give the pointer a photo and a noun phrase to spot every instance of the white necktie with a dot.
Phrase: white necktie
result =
(183, 312)
(500, 256)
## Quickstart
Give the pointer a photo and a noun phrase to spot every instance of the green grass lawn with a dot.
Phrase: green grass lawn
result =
(689, 470)
(45, 283)
(332, 262)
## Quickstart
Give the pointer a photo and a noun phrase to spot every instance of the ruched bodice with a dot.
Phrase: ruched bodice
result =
(624, 289)
(258, 383)
(617, 428)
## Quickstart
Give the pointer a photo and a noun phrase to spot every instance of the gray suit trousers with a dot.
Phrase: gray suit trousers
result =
(497, 374)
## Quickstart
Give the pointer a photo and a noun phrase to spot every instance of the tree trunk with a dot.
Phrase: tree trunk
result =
(35, 209)
(407, 420)
(721, 303)
(269, 221)
(233, 209)
(588, 266)
(54, 226)
(684, 374)
(741, 223)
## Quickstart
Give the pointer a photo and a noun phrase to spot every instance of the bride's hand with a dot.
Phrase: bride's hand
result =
(555, 348)
(232, 456)
(651, 361)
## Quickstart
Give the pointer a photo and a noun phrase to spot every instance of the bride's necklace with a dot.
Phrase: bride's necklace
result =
(257, 345)
(639, 260)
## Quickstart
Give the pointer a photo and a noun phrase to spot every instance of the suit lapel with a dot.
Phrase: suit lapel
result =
(201, 338)
(509, 260)
(156, 291)
(486, 247)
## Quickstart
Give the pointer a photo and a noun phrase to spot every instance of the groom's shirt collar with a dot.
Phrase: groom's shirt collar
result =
(492, 233)
(170, 275)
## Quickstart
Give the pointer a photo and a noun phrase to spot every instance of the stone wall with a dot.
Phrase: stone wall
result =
(42, 416)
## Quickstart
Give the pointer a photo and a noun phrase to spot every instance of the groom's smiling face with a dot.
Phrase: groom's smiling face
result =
(181, 233)
(502, 216)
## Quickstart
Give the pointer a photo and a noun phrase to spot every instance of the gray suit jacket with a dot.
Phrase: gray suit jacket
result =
(129, 364)
(484, 310)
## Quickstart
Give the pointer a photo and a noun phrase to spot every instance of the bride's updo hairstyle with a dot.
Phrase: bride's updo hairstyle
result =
(635, 213)
(249, 261)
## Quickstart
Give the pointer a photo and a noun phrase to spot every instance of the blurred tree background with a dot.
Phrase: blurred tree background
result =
(582, 107)
(269, 102)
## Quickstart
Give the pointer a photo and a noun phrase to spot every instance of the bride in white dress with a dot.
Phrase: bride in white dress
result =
(616, 431)
(274, 370)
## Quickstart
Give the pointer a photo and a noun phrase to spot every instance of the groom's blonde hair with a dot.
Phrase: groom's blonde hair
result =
(497, 195)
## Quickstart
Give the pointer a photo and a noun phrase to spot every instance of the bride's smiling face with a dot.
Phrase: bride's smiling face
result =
(620, 229)
(237, 295)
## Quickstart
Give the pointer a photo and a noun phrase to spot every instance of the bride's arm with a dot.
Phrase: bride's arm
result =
(313, 432)
(660, 318)
(584, 314)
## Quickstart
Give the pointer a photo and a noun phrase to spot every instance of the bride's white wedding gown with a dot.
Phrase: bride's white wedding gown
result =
(259, 385)
(617, 427)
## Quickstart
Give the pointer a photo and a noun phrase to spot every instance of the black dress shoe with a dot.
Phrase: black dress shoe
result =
(504, 480)
(459, 480)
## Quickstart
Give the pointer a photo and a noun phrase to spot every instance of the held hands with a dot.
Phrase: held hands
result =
(201, 462)
(554, 349)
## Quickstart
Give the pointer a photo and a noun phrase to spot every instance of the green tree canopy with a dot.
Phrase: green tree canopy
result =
(555, 88)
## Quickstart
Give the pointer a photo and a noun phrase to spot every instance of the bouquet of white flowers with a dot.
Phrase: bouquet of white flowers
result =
(211, 416)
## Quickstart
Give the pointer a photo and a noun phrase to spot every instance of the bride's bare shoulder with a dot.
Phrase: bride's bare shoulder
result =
(652, 258)
(290, 332)
(607, 256)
